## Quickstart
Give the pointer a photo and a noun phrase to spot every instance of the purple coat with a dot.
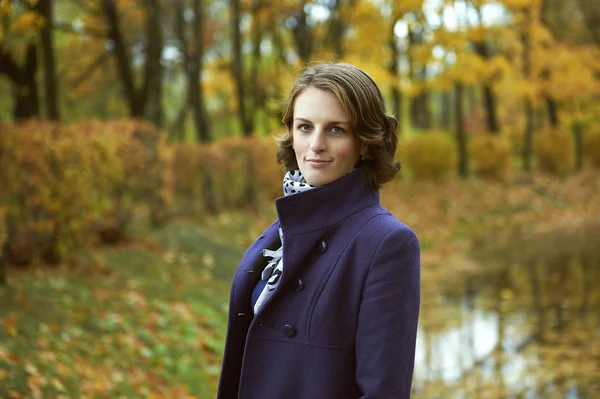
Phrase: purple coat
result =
(343, 321)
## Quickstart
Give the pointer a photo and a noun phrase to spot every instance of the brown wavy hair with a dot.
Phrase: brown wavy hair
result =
(363, 102)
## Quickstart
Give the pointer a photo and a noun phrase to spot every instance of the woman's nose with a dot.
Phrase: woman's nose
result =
(317, 143)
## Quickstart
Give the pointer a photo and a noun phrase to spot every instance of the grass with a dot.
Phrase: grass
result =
(139, 321)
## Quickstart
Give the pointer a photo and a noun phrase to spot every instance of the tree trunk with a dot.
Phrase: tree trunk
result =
(151, 89)
(154, 69)
(336, 28)
(590, 10)
(24, 86)
(237, 68)
(461, 139)
(393, 70)
(178, 126)
(47, 40)
(528, 134)
(419, 107)
(445, 110)
(471, 98)
(489, 99)
(200, 114)
(577, 131)
(420, 111)
(194, 67)
(303, 35)
(2, 270)
(123, 63)
(489, 102)
(552, 111)
(257, 36)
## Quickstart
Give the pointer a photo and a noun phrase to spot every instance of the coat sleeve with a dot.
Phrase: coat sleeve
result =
(387, 321)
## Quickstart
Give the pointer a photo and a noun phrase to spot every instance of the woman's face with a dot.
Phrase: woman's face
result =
(326, 147)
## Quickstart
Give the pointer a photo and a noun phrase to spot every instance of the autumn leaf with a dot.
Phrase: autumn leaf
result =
(10, 324)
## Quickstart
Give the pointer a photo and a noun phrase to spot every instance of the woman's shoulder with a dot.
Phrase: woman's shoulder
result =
(384, 224)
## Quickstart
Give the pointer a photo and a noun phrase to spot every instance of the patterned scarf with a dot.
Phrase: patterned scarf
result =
(293, 182)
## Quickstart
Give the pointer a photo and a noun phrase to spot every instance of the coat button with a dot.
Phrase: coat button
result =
(289, 331)
(299, 286)
(322, 247)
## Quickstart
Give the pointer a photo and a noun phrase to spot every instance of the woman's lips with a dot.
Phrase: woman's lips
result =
(317, 163)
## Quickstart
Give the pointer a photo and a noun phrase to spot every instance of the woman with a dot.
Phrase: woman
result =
(325, 303)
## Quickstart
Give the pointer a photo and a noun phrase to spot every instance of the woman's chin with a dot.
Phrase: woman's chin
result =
(317, 178)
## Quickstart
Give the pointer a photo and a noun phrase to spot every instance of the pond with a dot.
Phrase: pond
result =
(527, 328)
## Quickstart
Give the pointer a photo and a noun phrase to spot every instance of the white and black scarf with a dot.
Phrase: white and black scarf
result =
(293, 182)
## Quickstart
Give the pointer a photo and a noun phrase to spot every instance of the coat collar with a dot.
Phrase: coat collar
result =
(325, 205)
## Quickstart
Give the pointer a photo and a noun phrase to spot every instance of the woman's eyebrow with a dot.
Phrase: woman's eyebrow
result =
(329, 123)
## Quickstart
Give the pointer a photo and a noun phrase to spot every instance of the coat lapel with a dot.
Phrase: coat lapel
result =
(296, 250)
(308, 217)
(248, 272)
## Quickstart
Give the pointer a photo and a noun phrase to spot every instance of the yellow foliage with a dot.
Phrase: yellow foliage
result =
(469, 68)
(430, 156)
(29, 22)
(496, 68)
(367, 22)
(5, 6)
(516, 4)
(591, 146)
(574, 71)
(402, 6)
(490, 156)
(477, 34)
(554, 151)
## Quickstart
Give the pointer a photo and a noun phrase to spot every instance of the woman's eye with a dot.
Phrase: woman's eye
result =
(303, 128)
(337, 129)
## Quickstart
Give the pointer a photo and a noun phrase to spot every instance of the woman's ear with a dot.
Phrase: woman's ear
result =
(364, 150)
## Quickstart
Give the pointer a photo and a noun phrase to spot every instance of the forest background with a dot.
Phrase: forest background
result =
(134, 136)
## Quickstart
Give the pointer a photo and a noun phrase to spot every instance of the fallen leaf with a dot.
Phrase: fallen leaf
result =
(10, 324)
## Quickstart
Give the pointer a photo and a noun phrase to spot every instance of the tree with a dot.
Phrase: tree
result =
(24, 84)
(337, 25)
(23, 21)
(150, 90)
(303, 35)
(526, 43)
(47, 40)
(590, 10)
(393, 65)
(482, 48)
(420, 53)
(237, 70)
(193, 58)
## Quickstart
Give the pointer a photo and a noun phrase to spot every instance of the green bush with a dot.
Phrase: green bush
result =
(430, 156)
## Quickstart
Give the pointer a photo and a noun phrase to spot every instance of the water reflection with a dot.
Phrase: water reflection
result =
(524, 330)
